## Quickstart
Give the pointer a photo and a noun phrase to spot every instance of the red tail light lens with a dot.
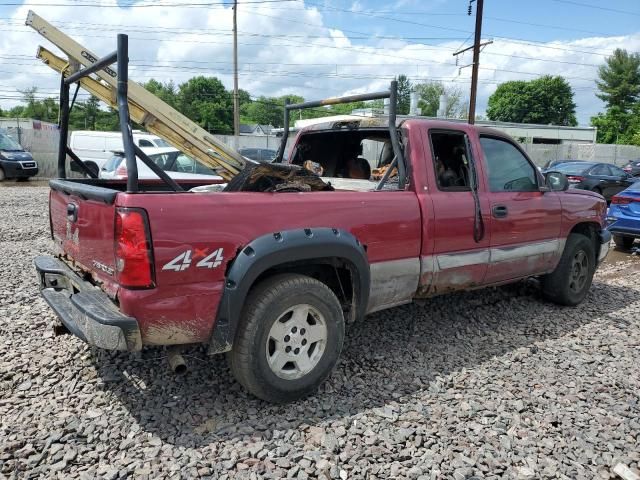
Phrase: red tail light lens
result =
(574, 179)
(134, 258)
(623, 200)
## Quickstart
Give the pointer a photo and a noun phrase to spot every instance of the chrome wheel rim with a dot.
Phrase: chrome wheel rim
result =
(579, 271)
(296, 342)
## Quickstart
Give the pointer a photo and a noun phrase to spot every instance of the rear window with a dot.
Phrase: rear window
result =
(573, 168)
(113, 163)
(160, 142)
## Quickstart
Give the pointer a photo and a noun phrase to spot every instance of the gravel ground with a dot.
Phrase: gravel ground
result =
(494, 383)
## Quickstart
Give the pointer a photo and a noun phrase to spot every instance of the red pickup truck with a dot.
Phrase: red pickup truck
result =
(271, 277)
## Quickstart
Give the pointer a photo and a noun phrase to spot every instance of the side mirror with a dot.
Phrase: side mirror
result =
(557, 181)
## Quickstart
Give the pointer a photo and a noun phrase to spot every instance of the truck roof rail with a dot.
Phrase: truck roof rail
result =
(391, 94)
(142, 106)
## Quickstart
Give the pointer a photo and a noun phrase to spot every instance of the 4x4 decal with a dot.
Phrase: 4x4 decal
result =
(184, 260)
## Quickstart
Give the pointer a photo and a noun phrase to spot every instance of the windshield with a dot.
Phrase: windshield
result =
(572, 168)
(179, 162)
(9, 144)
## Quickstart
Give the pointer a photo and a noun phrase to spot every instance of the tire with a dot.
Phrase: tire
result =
(623, 242)
(2, 175)
(276, 309)
(597, 190)
(569, 283)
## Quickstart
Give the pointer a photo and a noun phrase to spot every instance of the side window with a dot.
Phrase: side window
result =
(617, 171)
(507, 168)
(451, 160)
(601, 170)
(145, 143)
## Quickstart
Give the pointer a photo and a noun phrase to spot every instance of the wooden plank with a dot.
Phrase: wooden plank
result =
(145, 108)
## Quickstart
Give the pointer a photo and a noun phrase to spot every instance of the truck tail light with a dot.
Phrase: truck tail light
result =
(134, 257)
(574, 179)
(618, 200)
(121, 171)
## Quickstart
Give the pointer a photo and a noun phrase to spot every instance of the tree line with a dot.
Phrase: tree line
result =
(547, 100)
(207, 102)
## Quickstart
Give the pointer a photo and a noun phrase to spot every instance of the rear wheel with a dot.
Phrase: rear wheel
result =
(623, 242)
(2, 175)
(289, 338)
(569, 283)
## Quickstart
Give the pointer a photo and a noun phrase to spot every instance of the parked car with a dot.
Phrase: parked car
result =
(632, 168)
(15, 162)
(553, 163)
(178, 165)
(259, 154)
(272, 277)
(602, 178)
(624, 216)
(95, 148)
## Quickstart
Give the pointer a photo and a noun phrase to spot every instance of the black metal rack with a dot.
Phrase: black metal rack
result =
(121, 57)
(392, 95)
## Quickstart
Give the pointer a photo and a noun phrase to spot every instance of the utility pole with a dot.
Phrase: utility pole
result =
(476, 62)
(236, 100)
(477, 45)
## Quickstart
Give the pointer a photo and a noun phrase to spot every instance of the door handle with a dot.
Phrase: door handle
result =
(499, 211)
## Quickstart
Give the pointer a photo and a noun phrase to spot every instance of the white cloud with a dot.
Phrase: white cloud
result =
(286, 51)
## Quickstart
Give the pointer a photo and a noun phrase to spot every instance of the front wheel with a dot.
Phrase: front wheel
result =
(569, 283)
(623, 242)
(289, 338)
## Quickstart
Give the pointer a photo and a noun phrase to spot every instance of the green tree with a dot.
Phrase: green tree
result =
(167, 92)
(404, 94)
(205, 101)
(264, 110)
(546, 100)
(619, 82)
(429, 100)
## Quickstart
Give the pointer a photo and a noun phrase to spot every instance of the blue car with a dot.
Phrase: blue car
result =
(624, 216)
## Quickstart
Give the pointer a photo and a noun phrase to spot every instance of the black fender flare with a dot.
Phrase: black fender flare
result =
(281, 248)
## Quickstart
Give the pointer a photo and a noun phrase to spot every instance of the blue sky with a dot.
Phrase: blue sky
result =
(318, 48)
(572, 21)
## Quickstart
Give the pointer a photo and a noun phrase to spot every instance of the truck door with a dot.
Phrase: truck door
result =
(525, 221)
(458, 258)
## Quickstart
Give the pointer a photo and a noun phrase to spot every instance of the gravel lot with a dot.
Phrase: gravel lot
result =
(494, 383)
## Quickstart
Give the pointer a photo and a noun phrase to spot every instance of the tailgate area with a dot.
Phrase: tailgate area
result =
(86, 311)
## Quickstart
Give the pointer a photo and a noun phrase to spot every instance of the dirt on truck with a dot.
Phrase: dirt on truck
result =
(366, 215)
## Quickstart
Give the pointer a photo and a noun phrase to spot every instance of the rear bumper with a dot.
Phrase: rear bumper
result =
(621, 224)
(605, 240)
(86, 311)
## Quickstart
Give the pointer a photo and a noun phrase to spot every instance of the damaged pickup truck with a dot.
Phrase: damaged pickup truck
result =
(368, 214)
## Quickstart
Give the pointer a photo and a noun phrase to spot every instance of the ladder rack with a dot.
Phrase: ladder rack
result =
(143, 107)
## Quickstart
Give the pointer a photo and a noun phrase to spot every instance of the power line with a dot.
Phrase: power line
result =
(598, 7)
(142, 5)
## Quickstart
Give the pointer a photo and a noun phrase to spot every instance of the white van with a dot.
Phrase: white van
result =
(95, 148)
